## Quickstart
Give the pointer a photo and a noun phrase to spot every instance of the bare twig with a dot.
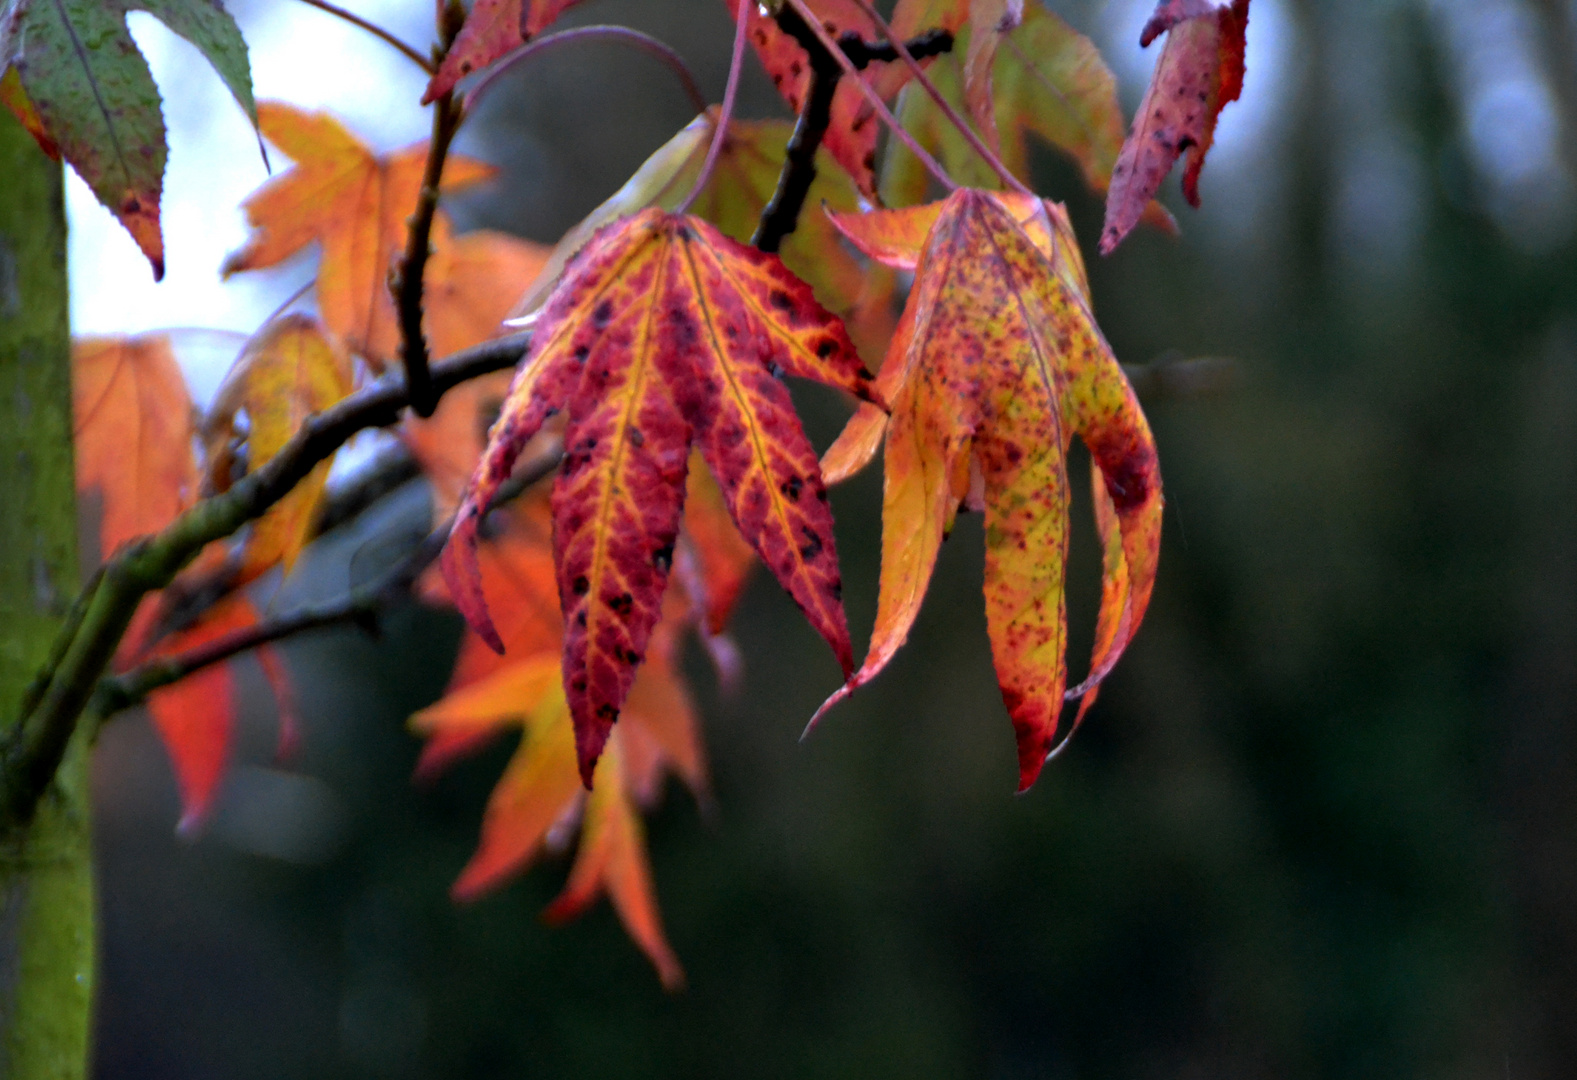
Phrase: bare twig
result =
(407, 278)
(625, 34)
(872, 96)
(374, 29)
(32, 748)
(781, 215)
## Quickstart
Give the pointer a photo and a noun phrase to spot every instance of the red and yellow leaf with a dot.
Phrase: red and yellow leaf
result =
(664, 333)
(134, 434)
(1199, 72)
(288, 372)
(354, 204)
(997, 364)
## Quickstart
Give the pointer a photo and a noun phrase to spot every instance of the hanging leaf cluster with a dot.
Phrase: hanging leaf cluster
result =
(661, 339)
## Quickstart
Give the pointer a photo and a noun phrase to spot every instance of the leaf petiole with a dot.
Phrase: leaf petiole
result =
(624, 34)
(375, 30)
(724, 117)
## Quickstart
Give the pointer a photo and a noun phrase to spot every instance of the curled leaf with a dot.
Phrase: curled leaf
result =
(1199, 72)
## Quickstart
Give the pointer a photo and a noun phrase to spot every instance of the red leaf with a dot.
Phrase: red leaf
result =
(1200, 70)
(663, 333)
(494, 29)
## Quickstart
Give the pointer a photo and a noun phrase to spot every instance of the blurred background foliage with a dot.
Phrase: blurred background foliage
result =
(1323, 822)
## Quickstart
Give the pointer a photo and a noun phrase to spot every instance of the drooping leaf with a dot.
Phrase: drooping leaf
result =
(539, 797)
(133, 431)
(194, 716)
(492, 30)
(996, 365)
(288, 372)
(94, 100)
(663, 333)
(355, 205)
(1047, 81)
(612, 859)
(1199, 72)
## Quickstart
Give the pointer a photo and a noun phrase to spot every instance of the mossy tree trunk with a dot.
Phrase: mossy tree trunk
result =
(46, 870)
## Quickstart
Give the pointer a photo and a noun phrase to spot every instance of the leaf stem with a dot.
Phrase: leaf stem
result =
(32, 747)
(725, 116)
(374, 29)
(941, 101)
(406, 280)
(872, 96)
(628, 35)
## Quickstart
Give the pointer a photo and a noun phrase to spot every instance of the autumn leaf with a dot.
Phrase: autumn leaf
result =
(84, 91)
(492, 30)
(996, 365)
(288, 372)
(539, 797)
(133, 431)
(1047, 83)
(723, 558)
(355, 205)
(663, 333)
(1199, 72)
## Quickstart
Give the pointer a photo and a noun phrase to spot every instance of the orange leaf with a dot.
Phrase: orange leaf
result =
(663, 333)
(13, 95)
(1200, 70)
(134, 432)
(355, 205)
(724, 558)
(193, 717)
(989, 20)
(289, 371)
(997, 365)
(612, 858)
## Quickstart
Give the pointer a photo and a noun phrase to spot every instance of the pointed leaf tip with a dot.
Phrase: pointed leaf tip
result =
(464, 578)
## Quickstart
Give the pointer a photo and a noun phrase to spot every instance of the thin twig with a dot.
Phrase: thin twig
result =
(33, 746)
(725, 115)
(407, 279)
(547, 43)
(360, 605)
(373, 28)
(942, 103)
(873, 97)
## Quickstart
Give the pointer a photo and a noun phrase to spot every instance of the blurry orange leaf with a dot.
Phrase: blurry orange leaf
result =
(194, 716)
(134, 431)
(663, 333)
(1200, 70)
(288, 372)
(355, 205)
(14, 97)
(612, 858)
(724, 558)
(997, 364)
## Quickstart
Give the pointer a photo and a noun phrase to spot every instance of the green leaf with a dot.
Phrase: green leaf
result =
(95, 97)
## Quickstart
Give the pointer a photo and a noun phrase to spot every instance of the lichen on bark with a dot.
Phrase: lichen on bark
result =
(46, 878)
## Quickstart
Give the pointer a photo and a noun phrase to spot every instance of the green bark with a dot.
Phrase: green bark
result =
(46, 870)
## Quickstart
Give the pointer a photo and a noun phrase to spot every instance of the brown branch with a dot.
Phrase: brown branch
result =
(33, 746)
(407, 278)
(361, 606)
(781, 215)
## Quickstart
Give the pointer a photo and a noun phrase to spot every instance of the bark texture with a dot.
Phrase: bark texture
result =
(46, 871)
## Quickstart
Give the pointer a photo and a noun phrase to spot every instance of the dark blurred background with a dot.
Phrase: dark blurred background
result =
(1323, 822)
